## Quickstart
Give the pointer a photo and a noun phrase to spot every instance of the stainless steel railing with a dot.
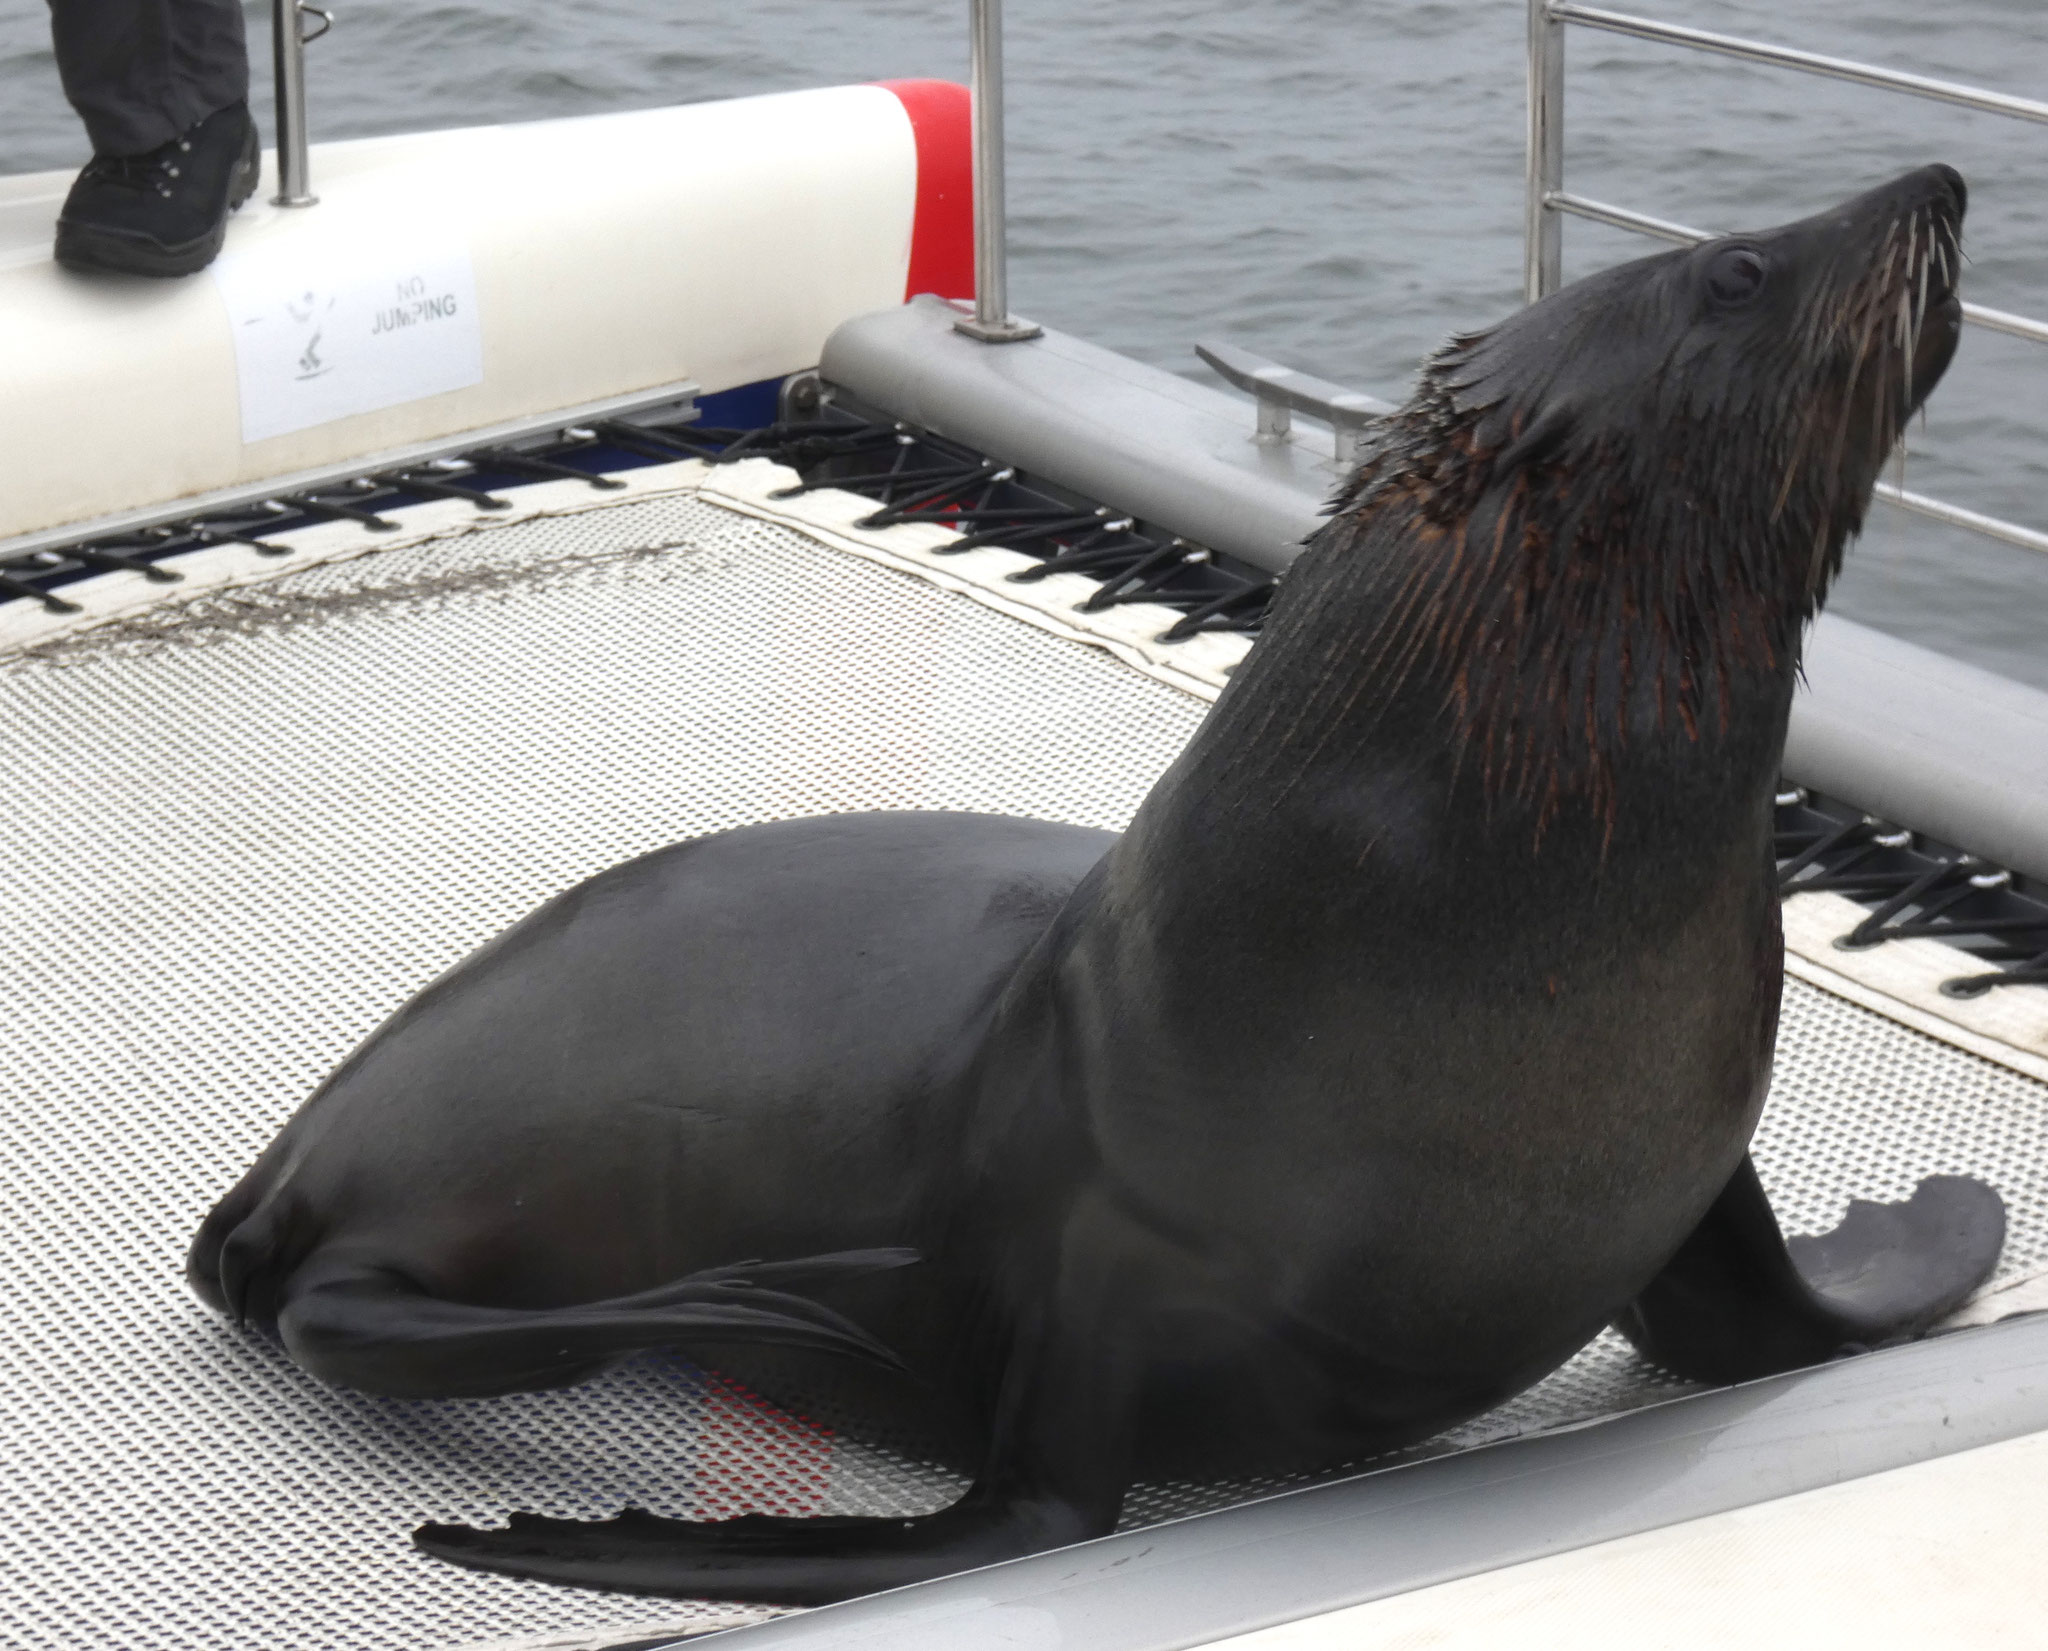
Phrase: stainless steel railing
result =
(1549, 203)
(288, 42)
(992, 321)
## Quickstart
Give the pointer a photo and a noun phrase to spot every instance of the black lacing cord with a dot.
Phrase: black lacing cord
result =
(207, 532)
(440, 487)
(1220, 614)
(21, 588)
(2033, 972)
(110, 555)
(1914, 891)
(911, 477)
(540, 467)
(324, 506)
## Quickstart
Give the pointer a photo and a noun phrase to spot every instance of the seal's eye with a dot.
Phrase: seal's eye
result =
(1735, 276)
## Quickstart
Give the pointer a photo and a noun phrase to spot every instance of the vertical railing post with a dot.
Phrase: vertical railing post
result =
(288, 56)
(1542, 228)
(991, 322)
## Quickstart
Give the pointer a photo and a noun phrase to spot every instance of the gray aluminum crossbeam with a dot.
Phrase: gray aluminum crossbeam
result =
(1177, 454)
(1311, 1551)
(1907, 734)
(1925, 741)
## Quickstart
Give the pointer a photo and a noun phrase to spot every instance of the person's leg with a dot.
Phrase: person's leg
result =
(162, 86)
(143, 72)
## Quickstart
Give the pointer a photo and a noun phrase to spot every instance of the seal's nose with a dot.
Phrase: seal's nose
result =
(1956, 187)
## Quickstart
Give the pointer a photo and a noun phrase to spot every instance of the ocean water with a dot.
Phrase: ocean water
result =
(1335, 183)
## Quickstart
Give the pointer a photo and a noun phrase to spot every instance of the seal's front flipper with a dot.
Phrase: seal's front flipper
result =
(372, 1330)
(1739, 1300)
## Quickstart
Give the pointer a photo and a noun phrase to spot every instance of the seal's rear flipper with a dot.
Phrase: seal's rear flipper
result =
(372, 1330)
(1059, 1461)
(1739, 1300)
(760, 1558)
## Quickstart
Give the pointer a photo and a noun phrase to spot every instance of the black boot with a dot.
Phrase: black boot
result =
(166, 212)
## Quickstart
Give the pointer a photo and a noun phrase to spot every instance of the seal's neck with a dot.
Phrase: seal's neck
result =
(1549, 627)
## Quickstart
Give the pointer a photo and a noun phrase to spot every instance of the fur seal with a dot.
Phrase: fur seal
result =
(1413, 1031)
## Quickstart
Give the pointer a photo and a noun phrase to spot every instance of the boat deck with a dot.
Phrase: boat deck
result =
(252, 814)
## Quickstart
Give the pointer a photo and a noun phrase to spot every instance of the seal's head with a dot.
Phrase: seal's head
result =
(1797, 353)
(1622, 503)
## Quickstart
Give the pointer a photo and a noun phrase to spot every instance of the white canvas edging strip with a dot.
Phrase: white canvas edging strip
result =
(1199, 666)
(1901, 979)
(121, 595)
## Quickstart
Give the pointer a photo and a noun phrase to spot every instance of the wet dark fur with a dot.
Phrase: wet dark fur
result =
(1415, 1028)
(1590, 520)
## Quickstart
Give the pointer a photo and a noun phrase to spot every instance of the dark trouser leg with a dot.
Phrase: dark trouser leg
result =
(140, 72)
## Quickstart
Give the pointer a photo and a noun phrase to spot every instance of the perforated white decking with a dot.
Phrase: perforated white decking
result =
(242, 828)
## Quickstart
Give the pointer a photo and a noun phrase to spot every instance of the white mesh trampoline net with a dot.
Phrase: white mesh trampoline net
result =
(242, 830)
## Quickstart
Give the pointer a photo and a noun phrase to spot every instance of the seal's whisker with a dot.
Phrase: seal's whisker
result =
(1920, 283)
(1799, 440)
(1848, 399)
(1882, 265)
(1892, 374)
(1907, 386)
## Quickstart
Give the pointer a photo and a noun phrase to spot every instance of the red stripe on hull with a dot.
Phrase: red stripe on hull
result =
(942, 234)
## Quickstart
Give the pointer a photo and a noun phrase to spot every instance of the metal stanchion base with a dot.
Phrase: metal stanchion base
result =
(1011, 329)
